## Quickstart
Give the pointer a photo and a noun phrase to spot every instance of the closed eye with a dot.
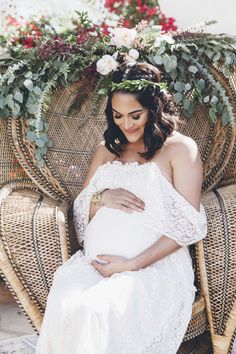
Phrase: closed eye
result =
(136, 117)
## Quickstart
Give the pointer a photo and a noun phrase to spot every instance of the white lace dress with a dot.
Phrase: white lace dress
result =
(134, 312)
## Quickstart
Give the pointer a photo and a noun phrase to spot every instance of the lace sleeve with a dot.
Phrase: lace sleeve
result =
(81, 204)
(184, 223)
(173, 216)
(81, 209)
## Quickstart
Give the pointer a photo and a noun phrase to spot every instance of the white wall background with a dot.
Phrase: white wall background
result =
(189, 12)
(186, 12)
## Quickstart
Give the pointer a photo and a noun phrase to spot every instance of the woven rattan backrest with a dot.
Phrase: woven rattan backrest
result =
(10, 168)
(76, 134)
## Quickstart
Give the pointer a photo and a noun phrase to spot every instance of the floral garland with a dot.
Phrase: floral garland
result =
(184, 58)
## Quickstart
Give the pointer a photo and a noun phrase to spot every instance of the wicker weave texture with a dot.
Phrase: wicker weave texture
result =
(10, 168)
(76, 133)
(34, 235)
(198, 323)
(217, 261)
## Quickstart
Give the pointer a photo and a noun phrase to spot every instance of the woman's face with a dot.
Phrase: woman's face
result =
(129, 115)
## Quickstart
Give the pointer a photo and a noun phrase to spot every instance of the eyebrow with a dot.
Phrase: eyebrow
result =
(137, 110)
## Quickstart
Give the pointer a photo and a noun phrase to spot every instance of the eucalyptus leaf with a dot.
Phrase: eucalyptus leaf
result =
(173, 74)
(188, 87)
(186, 103)
(46, 125)
(206, 99)
(209, 53)
(216, 57)
(103, 91)
(29, 84)
(173, 59)
(37, 90)
(16, 109)
(226, 72)
(40, 142)
(32, 123)
(179, 86)
(41, 163)
(212, 115)
(11, 79)
(44, 150)
(9, 101)
(31, 136)
(49, 143)
(18, 96)
(38, 155)
(39, 125)
(214, 99)
(201, 84)
(178, 97)
(157, 60)
(160, 51)
(193, 69)
(28, 74)
(225, 117)
(2, 102)
(186, 56)
(5, 113)
(33, 108)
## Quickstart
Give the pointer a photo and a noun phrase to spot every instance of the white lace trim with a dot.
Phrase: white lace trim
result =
(166, 210)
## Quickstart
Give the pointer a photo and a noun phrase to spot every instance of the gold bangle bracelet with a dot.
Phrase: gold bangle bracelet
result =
(96, 197)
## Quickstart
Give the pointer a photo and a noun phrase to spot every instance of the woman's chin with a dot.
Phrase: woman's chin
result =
(133, 139)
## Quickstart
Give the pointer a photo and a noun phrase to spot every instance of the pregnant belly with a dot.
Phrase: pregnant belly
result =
(114, 232)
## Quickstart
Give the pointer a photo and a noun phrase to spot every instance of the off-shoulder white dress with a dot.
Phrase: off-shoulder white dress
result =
(133, 312)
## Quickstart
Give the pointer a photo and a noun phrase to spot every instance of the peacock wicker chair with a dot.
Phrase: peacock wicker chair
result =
(75, 134)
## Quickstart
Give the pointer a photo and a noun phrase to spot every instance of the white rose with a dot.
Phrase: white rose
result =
(123, 37)
(106, 64)
(163, 37)
(133, 54)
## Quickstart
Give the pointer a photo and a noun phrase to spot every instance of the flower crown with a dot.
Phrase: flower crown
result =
(124, 39)
(134, 85)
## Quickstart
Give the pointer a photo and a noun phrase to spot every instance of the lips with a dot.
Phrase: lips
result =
(131, 131)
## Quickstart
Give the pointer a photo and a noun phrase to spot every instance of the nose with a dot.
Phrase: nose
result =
(128, 124)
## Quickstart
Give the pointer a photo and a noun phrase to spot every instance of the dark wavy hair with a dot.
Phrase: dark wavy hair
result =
(162, 118)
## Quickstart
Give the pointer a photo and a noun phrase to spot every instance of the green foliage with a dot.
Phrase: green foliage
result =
(185, 63)
(189, 77)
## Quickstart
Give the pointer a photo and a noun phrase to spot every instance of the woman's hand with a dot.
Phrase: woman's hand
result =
(122, 199)
(115, 264)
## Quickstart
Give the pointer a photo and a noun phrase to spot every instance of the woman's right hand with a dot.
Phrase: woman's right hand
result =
(122, 199)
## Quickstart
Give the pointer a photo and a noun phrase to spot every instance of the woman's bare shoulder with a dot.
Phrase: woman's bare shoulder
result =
(187, 167)
(182, 150)
(180, 145)
(177, 139)
(102, 153)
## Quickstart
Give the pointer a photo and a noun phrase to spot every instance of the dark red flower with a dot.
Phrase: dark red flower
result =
(105, 29)
(28, 42)
(143, 9)
(152, 11)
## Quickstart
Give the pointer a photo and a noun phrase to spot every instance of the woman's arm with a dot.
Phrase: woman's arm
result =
(187, 176)
(117, 198)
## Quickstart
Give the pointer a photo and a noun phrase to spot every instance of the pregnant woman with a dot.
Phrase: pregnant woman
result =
(131, 289)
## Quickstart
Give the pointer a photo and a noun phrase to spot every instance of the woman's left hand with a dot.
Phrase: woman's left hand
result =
(115, 264)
